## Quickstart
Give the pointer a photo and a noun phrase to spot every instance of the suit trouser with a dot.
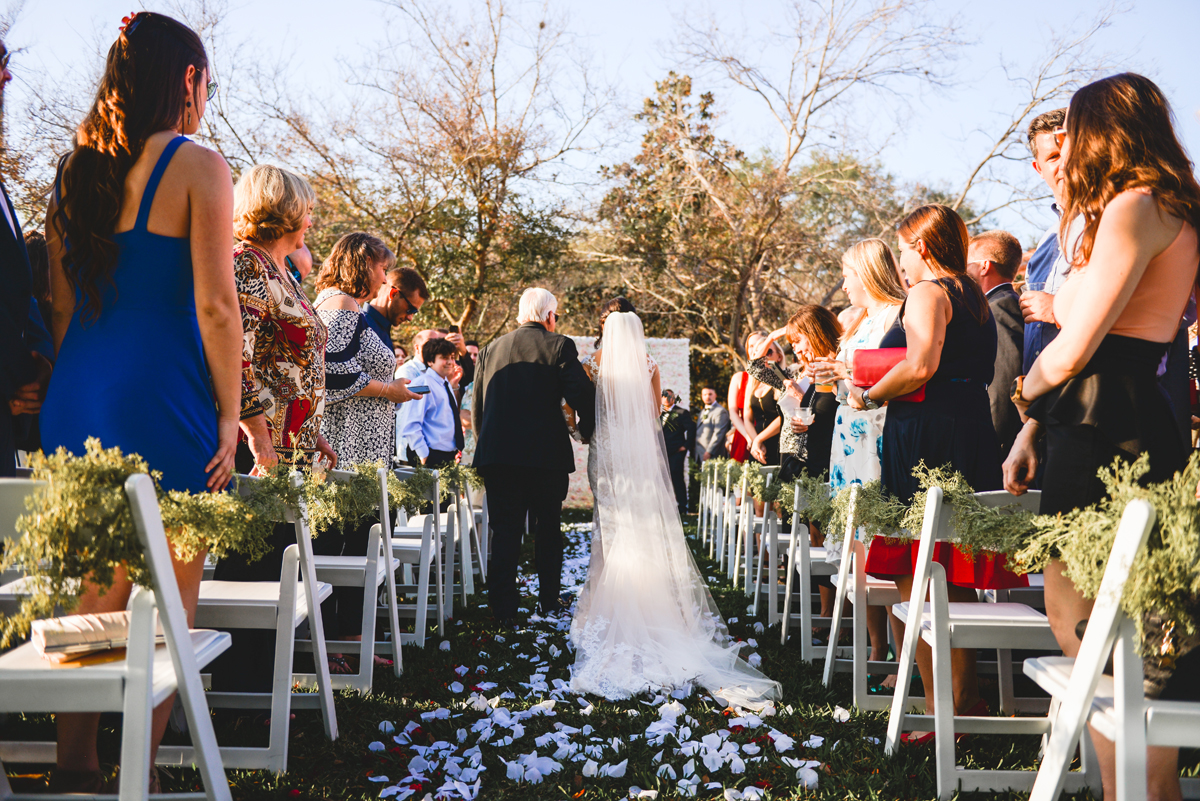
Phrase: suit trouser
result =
(677, 461)
(512, 493)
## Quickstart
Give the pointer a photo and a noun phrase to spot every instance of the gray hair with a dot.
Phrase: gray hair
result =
(536, 305)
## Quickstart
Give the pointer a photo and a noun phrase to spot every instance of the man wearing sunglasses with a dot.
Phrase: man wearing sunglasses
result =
(399, 299)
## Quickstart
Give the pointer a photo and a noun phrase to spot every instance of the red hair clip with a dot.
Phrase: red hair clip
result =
(129, 23)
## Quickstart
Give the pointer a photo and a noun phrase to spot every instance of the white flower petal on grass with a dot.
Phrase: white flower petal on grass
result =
(376, 746)
(732, 794)
(462, 670)
(755, 660)
(759, 628)
(736, 764)
(840, 715)
(753, 793)
(808, 778)
(751, 749)
(665, 771)
(387, 727)
(815, 741)
(515, 771)
(782, 741)
(461, 735)
(456, 687)
(616, 771)
(689, 768)
(590, 768)
(713, 761)
(378, 779)
(687, 789)
(444, 645)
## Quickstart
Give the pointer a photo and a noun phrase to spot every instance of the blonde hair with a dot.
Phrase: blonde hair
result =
(269, 202)
(351, 263)
(872, 261)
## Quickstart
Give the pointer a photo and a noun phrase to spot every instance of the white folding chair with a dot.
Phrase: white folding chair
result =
(147, 676)
(13, 492)
(1115, 705)
(724, 504)
(855, 585)
(418, 547)
(946, 625)
(751, 527)
(804, 561)
(475, 520)
(279, 606)
(368, 572)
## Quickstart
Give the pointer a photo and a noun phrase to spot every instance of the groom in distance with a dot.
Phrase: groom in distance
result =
(523, 449)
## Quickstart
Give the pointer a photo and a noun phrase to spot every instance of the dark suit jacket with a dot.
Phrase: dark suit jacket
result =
(20, 332)
(1010, 348)
(520, 381)
(679, 430)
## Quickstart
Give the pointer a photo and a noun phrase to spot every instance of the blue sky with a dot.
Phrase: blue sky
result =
(632, 44)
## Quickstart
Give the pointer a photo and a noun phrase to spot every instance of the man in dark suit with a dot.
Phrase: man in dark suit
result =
(523, 450)
(679, 434)
(24, 368)
(992, 259)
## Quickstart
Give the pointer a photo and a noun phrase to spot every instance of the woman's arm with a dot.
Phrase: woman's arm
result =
(60, 287)
(925, 325)
(735, 411)
(210, 232)
(1131, 233)
(757, 449)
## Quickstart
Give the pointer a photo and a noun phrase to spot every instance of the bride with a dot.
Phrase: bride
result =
(645, 620)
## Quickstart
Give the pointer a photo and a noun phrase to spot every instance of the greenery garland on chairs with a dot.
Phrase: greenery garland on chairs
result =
(80, 527)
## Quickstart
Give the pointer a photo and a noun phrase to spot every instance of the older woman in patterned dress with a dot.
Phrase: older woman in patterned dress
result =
(283, 381)
(360, 403)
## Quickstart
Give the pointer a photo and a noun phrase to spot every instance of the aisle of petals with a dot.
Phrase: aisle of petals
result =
(513, 720)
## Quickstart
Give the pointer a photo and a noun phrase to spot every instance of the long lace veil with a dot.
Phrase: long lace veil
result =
(645, 619)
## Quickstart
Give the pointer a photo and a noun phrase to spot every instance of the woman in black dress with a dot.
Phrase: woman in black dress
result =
(1130, 229)
(950, 338)
(762, 405)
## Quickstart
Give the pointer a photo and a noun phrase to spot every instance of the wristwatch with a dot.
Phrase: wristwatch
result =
(1018, 387)
(867, 402)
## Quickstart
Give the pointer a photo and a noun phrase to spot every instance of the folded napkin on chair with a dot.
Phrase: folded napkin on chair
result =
(62, 638)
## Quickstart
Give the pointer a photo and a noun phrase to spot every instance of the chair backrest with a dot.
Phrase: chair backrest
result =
(13, 492)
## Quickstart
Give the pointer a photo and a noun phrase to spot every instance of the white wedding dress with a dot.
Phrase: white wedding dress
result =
(645, 620)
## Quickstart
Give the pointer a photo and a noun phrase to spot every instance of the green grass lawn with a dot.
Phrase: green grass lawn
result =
(850, 754)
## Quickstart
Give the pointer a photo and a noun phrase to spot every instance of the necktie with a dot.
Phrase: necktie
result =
(459, 442)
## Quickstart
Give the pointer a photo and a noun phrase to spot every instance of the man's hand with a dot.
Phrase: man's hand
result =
(28, 398)
(1038, 307)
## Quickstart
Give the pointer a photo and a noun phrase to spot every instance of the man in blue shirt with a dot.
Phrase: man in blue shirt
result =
(399, 298)
(1047, 267)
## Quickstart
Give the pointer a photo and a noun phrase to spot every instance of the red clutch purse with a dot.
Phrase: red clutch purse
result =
(872, 364)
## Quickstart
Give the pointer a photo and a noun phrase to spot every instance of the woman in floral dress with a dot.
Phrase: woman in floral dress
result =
(870, 282)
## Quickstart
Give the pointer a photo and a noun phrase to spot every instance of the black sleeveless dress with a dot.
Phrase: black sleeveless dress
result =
(765, 410)
(951, 427)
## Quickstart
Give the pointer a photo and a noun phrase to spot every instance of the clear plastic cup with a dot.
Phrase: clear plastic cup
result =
(1034, 286)
(806, 416)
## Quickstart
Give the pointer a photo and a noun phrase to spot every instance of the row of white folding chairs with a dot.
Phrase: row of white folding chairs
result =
(135, 686)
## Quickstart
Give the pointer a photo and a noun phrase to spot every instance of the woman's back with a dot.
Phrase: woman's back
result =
(151, 394)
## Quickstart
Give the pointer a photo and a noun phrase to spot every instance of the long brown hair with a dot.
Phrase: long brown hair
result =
(946, 239)
(1122, 136)
(617, 304)
(142, 92)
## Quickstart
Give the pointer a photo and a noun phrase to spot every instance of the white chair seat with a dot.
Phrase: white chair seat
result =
(347, 571)
(880, 592)
(249, 604)
(26, 678)
(1169, 723)
(976, 625)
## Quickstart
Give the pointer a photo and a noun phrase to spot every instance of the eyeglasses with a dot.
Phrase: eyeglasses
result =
(212, 90)
(4, 59)
(411, 311)
(1060, 136)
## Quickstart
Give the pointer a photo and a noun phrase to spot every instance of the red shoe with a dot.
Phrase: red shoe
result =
(980, 710)
(908, 738)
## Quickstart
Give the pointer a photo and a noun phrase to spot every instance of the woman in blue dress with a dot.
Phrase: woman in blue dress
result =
(146, 322)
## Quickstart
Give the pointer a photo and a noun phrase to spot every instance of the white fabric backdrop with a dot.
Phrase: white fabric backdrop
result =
(673, 367)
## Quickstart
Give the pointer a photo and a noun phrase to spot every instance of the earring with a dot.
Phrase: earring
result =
(189, 119)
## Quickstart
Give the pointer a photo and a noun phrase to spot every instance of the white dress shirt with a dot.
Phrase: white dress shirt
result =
(428, 424)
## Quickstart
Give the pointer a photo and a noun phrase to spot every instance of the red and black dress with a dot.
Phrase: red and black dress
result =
(952, 427)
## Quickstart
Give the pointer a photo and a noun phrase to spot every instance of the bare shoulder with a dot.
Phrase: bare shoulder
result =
(203, 165)
(339, 302)
(1136, 213)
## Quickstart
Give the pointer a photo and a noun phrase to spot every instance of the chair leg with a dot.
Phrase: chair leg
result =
(861, 650)
(139, 699)
(786, 622)
(943, 691)
(281, 680)
(1004, 668)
